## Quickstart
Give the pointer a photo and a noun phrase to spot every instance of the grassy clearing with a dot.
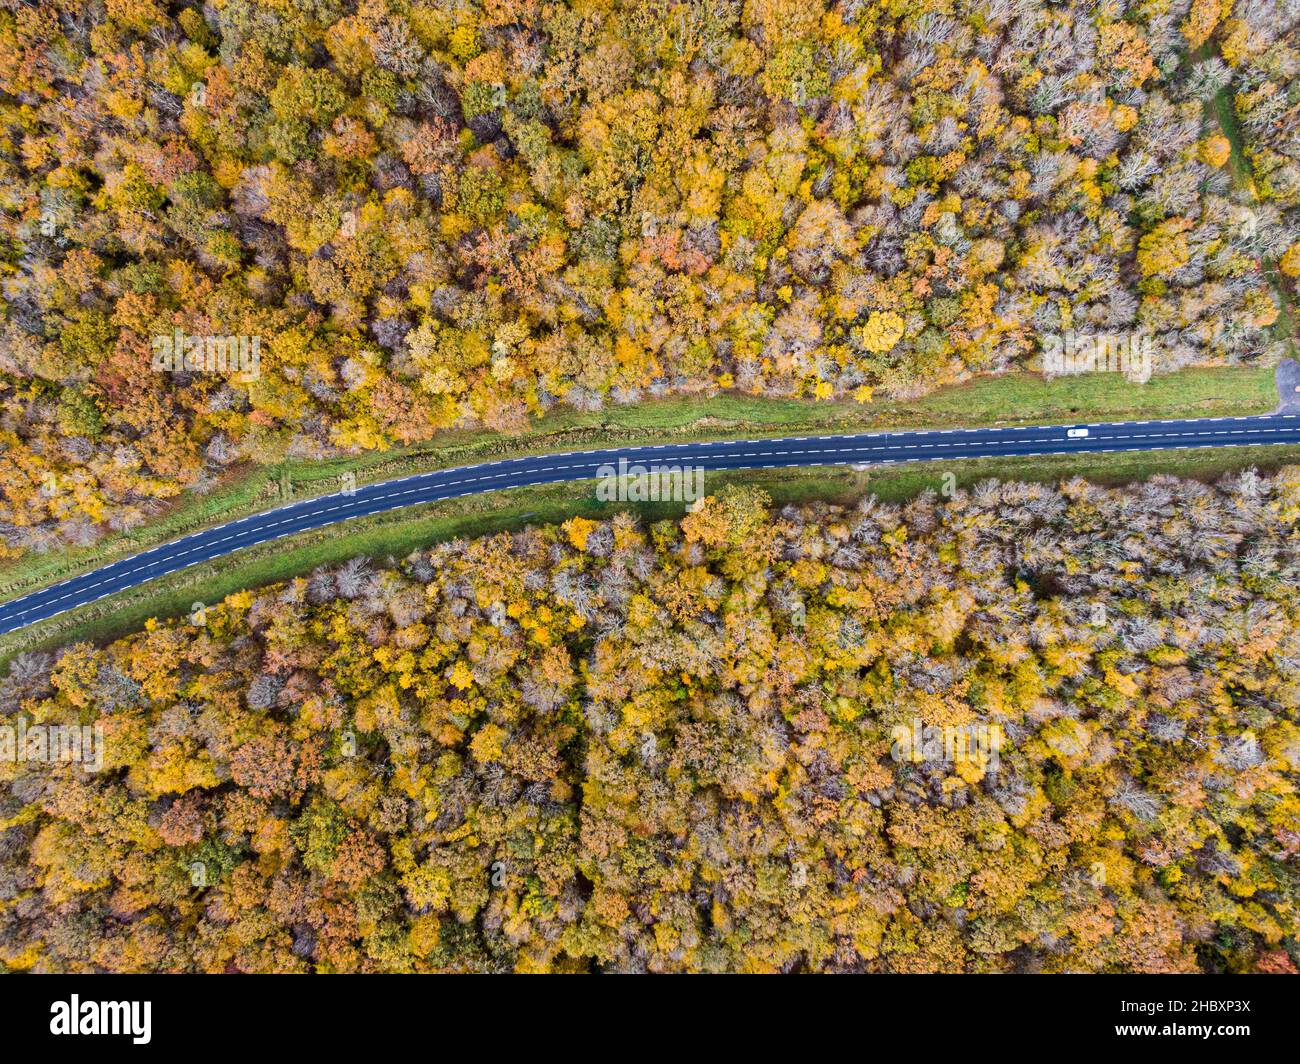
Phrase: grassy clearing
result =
(394, 535)
(1020, 398)
(1243, 176)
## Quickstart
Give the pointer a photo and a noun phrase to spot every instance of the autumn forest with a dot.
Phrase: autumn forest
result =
(607, 745)
(449, 214)
(1013, 728)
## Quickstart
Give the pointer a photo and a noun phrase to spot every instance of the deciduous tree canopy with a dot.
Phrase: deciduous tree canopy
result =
(609, 746)
(437, 214)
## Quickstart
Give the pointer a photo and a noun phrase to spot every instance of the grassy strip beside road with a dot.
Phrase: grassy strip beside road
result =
(397, 533)
(1013, 399)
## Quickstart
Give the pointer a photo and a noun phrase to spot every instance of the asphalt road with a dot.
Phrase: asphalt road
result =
(872, 448)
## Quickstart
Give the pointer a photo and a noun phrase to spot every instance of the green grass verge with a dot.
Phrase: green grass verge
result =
(395, 534)
(1019, 398)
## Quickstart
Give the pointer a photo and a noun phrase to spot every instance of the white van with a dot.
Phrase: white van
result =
(1076, 434)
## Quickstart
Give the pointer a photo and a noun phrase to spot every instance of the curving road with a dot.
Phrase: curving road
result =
(871, 448)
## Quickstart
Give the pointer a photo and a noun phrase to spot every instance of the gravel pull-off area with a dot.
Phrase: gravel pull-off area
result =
(1288, 386)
